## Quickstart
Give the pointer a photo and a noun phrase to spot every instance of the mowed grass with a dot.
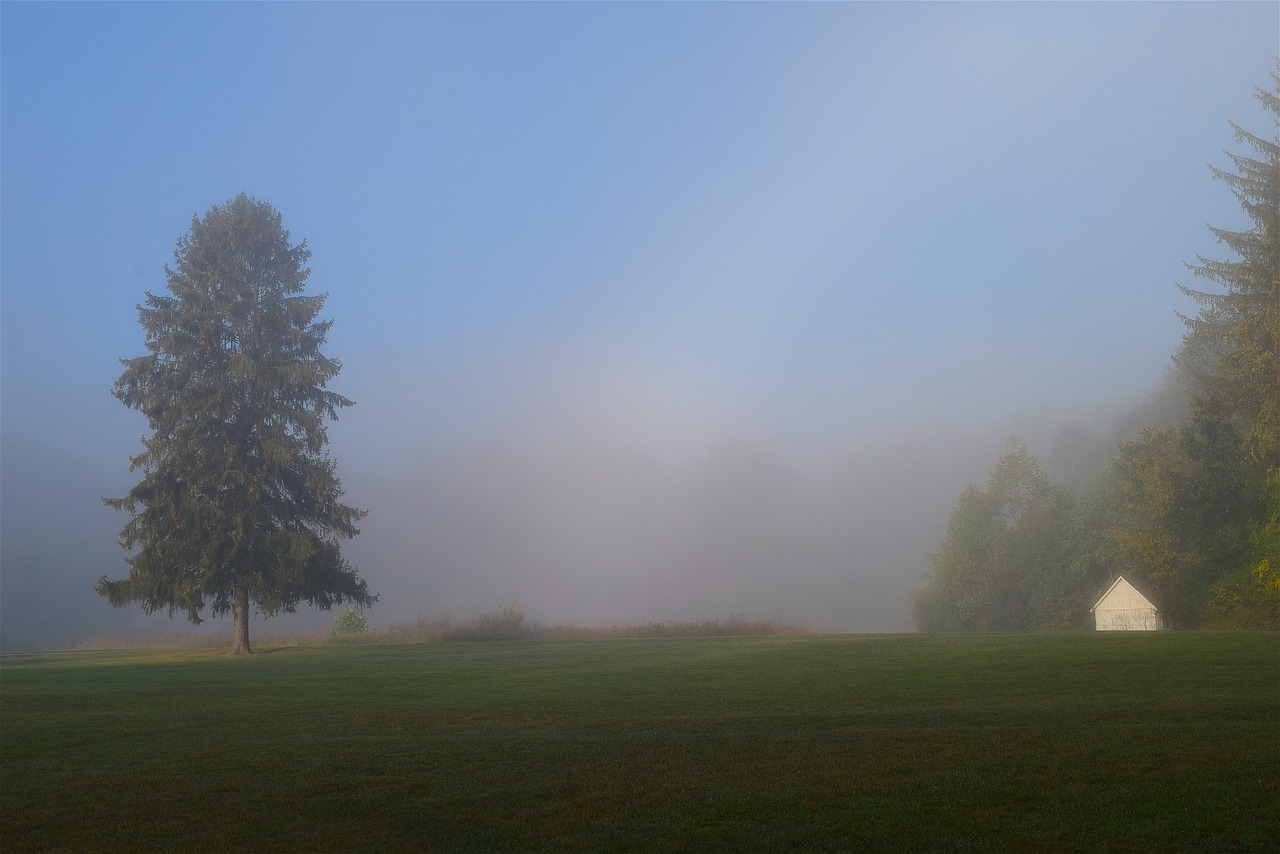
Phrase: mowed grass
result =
(1115, 742)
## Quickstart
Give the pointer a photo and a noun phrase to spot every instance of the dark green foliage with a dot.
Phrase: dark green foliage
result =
(1234, 356)
(1196, 507)
(1145, 525)
(1192, 509)
(1248, 598)
(1232, 352)
(238, 501)
(1005, 563)
(1054, 742)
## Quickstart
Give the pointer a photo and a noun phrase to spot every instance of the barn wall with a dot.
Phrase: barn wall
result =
(1127, 620)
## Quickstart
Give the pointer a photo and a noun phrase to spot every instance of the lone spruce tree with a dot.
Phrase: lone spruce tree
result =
(239, 502)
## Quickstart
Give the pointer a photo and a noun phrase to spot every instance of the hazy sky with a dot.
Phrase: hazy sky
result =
(650, 311)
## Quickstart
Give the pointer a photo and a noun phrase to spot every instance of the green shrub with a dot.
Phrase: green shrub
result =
(1248, 598)
(504, 624)
(348, 626)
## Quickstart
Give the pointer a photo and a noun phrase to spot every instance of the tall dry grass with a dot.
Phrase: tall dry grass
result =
(508, 623)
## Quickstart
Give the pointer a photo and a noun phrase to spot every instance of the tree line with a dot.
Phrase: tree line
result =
(1189, 510)
(239, 504)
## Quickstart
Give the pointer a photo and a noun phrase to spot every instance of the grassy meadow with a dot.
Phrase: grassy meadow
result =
(1113, 742)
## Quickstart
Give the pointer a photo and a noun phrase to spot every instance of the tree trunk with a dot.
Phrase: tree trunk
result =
(240, 622)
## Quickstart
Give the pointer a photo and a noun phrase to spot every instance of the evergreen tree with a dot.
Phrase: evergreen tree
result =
(1232, 349)
(238, 502)
(1231, 359)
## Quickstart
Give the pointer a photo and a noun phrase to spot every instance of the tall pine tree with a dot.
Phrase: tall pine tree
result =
(1231, 358)
(239, 502)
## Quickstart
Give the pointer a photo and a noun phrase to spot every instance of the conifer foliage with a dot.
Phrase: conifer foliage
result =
(1192, 509)
(1233, 345)
(239, 502)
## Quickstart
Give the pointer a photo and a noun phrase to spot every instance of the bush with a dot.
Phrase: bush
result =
(511, 623)
(1248, 598)
(505, 624)
(348, 626)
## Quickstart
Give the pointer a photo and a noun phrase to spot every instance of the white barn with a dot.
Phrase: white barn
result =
(1123, 609)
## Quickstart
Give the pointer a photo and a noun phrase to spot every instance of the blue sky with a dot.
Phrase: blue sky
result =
(814, 228)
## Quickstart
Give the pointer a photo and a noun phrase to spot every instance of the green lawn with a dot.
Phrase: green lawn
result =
(1167, 741)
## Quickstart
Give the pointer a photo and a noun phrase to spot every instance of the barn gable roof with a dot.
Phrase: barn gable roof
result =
(1125, 587)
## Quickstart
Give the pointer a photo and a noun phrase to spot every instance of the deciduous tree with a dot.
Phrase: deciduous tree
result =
(1147, 533)
(1005, 562)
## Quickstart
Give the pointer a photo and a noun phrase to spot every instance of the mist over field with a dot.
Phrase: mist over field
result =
(603, 536)
(575, 533)
(650, 312)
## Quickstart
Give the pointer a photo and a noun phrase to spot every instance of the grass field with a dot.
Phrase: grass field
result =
(1116, 742)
